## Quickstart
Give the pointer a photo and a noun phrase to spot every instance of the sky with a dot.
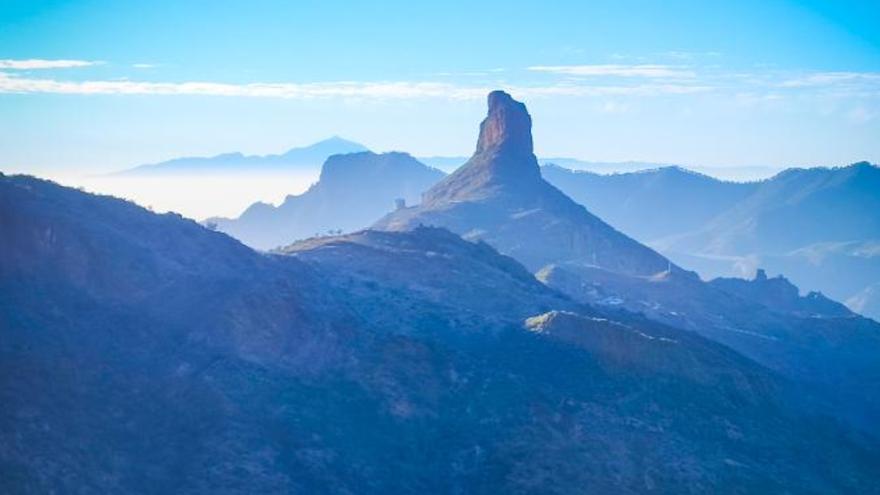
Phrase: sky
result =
(90, 87)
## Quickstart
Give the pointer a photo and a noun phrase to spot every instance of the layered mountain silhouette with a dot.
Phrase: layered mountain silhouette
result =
(499, 197)
(813, 225)
(353, 190)
(652, 204)
(306, 158)
(739, 173)
(143, 353)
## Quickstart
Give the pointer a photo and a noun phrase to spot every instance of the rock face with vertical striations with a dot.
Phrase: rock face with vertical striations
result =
(499, 197)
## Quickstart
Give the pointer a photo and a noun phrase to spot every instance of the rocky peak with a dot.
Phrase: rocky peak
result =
(504, 155)
(507, 127)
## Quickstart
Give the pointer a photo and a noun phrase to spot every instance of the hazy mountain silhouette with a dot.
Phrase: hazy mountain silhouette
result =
(738, 173)
(353, 190)
(651, 204)
(813, 225)
(794, 209)
(143, 353)
(308, 158)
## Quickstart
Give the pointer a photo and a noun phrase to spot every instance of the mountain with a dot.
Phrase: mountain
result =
(499, 197)
(309, 157)
(143, 353)
(740, 173)
(809, 224)
(650, 204)
(794, 209)
(353, 190)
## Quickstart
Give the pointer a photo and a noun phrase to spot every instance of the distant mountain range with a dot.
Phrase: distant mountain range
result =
(353, 190)
(814, 225)
(308, 157)
(740, 173)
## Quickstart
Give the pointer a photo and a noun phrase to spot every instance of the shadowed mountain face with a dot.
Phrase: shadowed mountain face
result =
(813, 225)
(142, 353)
(499, 196)
(306, 158)
(353, 191)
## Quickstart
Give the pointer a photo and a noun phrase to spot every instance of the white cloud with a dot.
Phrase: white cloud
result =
(388, 90)
(144, 66)
(343, 89)
(652, 80)
(617, 70)
(831, 79)
(589, 90)
(35, 63)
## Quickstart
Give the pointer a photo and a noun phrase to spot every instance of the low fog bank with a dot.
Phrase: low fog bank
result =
(197, 197)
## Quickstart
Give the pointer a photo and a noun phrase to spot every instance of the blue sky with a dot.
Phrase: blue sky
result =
(97, 85)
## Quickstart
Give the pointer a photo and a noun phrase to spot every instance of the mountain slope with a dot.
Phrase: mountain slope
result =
(308, 157)
(353, 190)
(499, 196)
(794, 209)
(650, 204)
(812, 225)
(142, 353)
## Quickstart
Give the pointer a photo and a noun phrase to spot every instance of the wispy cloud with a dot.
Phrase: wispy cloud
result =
(10, 83)
(629, 81)
(617, 70)
(145, 66)
(389, 90)
(35, 63)
(830, 79)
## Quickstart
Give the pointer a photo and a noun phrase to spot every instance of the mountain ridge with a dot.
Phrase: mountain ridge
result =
(310, 156)
(352, 191)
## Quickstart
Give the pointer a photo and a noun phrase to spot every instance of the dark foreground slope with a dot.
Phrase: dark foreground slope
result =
(142, 353)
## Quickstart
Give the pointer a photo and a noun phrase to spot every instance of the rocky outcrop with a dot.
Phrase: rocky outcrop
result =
(780, 294)
(499, 197)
